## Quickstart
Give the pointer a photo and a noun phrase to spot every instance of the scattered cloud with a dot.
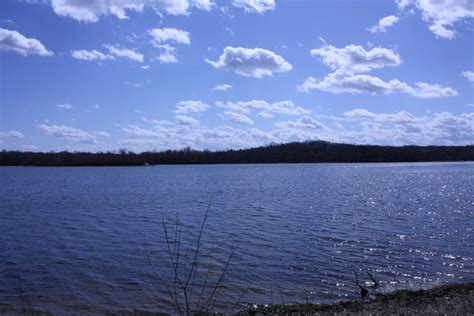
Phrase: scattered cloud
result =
(357, 126)
(167, 52)
(222, 87)
(13, 134)
(302, 122)
(65, 106)
(89, 55)
(102, 134)
(286, 107)
(469, 75)
(169, 35)
(237, 117)
(442, 14)
(427, 90)
(184, 107)
(404, 128)
(350, 64)
(265, 108)
(250, 62)
(91, 11)
(265, 115)
(341, 82)
(229, 31)
(255, 6)
(186, 120)
(16, 42)
(124, 53)
(92, 55)
(354, 58)
(384, 23)
(72, 133)
(132, 84)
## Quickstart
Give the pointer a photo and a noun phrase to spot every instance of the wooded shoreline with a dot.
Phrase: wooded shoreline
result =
(305, 152)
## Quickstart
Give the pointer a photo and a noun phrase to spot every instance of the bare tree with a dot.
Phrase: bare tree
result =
(192, 289)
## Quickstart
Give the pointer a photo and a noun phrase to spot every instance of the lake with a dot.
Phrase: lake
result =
(90, 240)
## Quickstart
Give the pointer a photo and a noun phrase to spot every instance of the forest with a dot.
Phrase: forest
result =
(296, 152)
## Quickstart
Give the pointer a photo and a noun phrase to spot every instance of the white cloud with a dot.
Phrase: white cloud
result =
(356, 126)
(427, 90)
(341, 82)
(90, 55)
(265, 108)
(124, 52)
(244, 106)
(349, 62)
(442, 14)
(237, 117)
(69, 133)
(384, 23)
(302, 122)
(156, 122)
(404, 128)
(255, 6)
(186, 120)
(169, 35)
(102, 134)
(65, 106)
(167, 54)
(91, 11)
(184, 107)
(469, 75)
(13, 134)
(163, 136)
(16, 42)
(354, 58)
(287, 107)
(265, 115)
(250, 62)
(222, 87)
(205, 5)
(132, 84)
(400, 117)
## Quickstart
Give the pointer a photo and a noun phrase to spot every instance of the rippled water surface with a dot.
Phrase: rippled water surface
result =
(92, 239)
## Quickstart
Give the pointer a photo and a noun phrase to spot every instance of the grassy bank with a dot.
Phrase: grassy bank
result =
(444, 300)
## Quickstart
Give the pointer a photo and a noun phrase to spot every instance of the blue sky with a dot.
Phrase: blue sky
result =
(212, 74)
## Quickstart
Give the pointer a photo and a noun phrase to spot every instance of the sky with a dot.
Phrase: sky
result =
(142, 75)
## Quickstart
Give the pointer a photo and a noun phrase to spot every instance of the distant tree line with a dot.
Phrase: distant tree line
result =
(305, 152)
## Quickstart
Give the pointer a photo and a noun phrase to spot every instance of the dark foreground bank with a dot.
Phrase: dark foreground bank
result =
(305, 152)
(456, 299)
(443, 300)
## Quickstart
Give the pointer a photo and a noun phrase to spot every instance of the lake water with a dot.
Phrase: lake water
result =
(90, 240)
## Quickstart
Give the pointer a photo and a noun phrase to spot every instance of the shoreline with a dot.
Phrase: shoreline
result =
(440, 162)
(449, 299)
